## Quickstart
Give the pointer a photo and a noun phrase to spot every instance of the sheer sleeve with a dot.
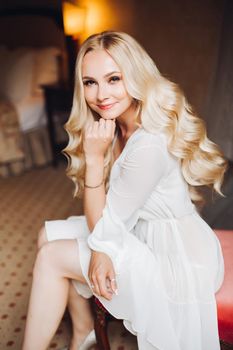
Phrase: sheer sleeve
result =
(140, 172)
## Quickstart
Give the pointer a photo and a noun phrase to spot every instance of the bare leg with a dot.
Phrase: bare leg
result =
(56, 263)
(79, 308)
(81, 315)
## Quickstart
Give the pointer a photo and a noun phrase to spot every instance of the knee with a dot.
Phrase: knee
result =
(42, 237)
(43, 260)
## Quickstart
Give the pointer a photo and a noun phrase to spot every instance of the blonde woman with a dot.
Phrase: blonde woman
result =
(138, 154)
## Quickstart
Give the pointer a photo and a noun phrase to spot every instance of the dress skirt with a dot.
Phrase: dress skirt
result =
(167, 279)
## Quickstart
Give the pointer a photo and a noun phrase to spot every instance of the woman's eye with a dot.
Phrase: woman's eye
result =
(114, 79)
(88, 82)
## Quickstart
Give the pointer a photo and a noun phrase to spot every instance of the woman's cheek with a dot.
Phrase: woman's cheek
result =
(119, 92)
(89, 94)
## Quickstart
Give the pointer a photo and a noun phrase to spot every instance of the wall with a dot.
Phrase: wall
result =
(181, 36)
(219, 108)
(108, 15)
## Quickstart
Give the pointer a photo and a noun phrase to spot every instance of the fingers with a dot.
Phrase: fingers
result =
(104, 129)
(110, 126)
(104, 286)
(102, 289)
(95, 285)
(102, 275)
(101, 128)
(105, 291)
(113, 283)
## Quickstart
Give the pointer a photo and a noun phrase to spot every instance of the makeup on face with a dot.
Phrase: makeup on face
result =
(104, 89)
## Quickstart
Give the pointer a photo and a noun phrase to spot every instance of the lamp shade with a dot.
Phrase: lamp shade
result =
(73, 19)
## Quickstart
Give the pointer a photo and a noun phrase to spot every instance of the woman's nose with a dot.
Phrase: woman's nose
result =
(103, 92)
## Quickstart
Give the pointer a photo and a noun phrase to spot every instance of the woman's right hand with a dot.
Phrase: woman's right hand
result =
(98, 137)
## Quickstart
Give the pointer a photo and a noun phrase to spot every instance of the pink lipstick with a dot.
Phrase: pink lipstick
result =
(105, 107)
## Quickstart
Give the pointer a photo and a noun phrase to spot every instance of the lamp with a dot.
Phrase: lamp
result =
(74, 24)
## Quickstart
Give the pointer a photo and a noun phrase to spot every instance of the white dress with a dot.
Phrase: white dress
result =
(168, 261)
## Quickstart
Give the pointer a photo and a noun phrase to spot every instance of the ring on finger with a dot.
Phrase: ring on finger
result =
(92, 286)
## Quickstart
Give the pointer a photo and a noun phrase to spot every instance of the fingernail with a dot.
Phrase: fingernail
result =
(116, 291)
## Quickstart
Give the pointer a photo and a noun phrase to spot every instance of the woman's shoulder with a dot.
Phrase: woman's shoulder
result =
(148, 146)
(143, 142)
(144, 138)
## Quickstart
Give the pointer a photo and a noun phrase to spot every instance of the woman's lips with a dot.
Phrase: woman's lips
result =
(105, 107)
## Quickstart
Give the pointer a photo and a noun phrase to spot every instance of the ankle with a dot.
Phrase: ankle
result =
(78, 338)
(81, 331)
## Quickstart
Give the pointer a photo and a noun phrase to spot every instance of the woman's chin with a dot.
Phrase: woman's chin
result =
(108, 116)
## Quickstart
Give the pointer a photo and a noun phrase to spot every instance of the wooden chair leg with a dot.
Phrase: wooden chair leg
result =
(100, 324)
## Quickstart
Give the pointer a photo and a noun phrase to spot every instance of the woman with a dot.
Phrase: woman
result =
(141, 248)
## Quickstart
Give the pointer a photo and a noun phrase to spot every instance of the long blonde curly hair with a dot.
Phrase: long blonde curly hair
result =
(161, 106)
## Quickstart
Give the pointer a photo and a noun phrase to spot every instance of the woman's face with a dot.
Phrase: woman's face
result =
(104, 88)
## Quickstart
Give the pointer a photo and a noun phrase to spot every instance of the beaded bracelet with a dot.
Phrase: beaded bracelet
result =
(87, 186)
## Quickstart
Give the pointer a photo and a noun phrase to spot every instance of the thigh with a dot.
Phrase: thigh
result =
(63, 257)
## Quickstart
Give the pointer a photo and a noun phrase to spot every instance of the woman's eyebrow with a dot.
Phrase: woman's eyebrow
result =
(113, 72)
(105, 76)
(86, 77)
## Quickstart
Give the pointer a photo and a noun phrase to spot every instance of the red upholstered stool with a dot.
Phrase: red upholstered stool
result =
(224, 296)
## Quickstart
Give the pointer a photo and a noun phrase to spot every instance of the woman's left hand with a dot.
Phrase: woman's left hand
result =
(102, 275)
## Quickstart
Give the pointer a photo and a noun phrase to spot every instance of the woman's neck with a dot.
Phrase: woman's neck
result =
(127, 126)
(127, 130)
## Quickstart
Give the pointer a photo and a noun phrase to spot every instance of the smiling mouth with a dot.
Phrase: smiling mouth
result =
(105, 107)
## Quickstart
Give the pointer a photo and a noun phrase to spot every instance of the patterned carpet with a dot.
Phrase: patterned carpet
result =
(26, 202)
